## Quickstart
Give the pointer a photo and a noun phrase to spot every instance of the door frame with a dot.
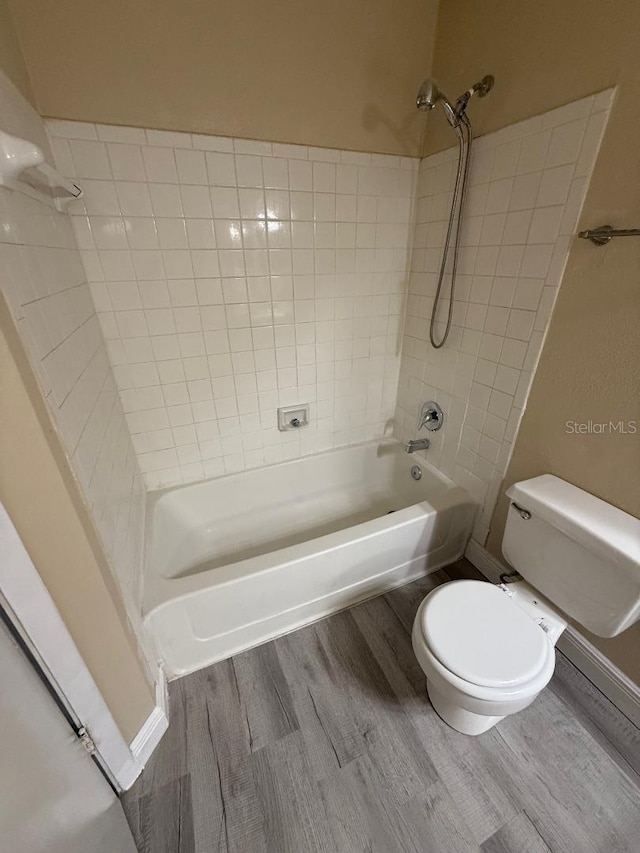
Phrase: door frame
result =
(35, 617)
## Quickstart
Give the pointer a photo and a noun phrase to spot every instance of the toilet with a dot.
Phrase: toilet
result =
(488, 650)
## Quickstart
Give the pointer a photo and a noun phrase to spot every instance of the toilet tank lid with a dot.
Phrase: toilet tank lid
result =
(604, 529)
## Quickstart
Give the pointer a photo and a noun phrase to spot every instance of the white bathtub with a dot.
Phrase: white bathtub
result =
(238, 560)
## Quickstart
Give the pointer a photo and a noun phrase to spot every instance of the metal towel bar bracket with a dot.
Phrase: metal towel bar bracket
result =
(600, 236)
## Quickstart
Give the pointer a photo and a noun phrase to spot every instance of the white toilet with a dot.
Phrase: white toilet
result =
(487, 651)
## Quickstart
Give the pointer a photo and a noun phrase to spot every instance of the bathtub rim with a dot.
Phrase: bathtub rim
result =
(175, 673)
(162, 590)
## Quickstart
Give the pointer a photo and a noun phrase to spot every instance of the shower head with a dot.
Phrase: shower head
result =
(428, 96)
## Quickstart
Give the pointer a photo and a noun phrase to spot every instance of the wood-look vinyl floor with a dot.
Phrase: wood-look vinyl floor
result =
(324, 741)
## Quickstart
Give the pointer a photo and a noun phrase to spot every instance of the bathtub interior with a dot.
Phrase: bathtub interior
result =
(246, 515)
(242, 559)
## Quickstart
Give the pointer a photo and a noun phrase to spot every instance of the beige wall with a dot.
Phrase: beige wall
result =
(11, 58)
(545, 54)
(542, 55)
(42, 498)
(321, 72)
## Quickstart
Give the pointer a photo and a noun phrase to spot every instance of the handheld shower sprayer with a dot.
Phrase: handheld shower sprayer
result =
(456, 114)
(429, 95)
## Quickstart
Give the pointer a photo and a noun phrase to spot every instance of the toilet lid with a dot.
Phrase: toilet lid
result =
(478, 633)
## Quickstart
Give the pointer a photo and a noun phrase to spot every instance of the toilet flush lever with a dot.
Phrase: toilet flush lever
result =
(524, 513)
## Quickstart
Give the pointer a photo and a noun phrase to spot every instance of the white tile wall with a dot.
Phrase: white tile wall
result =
(526, 188)
(231, 277)
(44, 283)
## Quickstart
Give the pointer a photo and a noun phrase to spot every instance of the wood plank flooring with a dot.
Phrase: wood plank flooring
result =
(324, 741)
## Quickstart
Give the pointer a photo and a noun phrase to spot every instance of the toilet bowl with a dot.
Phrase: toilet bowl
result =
(488, 651)
(484, 655)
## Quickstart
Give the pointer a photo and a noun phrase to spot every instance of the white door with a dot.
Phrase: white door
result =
(53, 797)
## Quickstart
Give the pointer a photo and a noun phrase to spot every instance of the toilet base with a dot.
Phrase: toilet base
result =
(453, 715)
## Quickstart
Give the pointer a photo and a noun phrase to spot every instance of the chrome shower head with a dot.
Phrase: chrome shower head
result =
(428, 96)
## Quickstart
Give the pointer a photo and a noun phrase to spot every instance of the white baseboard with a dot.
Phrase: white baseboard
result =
(600, 671)
(149, 736)
(156, 724)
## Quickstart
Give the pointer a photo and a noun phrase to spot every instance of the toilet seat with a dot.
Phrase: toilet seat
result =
(481, 622)
(480, 637)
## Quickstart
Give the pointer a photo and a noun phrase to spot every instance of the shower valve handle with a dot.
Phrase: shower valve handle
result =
(431, 416)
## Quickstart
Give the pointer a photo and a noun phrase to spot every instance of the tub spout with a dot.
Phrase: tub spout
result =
(417, 444)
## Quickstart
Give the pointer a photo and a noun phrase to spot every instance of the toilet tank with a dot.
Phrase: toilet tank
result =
(579, 551)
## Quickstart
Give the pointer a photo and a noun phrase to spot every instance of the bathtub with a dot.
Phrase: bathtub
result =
(238, 560)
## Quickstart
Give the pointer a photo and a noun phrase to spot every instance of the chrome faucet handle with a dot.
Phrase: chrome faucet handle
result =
(431, 416)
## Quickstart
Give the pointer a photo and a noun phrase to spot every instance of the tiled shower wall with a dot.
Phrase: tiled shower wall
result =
(232, 277)
(526, 187)
(44, 283)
